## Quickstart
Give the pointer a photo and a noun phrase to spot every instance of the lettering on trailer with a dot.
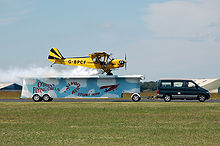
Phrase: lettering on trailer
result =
(43, 87)
(88, 94)
(72, 84)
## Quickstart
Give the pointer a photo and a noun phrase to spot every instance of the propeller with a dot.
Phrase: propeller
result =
(125, 62)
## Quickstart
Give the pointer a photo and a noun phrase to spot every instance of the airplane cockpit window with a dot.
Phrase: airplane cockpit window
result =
(99, 59)
(103, 60)
(110, 59)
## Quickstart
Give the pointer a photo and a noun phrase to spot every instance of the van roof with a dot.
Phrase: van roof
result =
(175, 79)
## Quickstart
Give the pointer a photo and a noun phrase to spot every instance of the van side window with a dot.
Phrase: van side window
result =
(190, 84)
(165, 84)
(178, 84)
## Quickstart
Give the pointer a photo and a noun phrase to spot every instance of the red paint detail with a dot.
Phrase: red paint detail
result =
(76, 89)
(109, 87)
(43, 87)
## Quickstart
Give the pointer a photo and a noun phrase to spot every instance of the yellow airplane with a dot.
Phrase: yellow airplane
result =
(98, 60)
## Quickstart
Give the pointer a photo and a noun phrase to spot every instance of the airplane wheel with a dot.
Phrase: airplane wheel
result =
(109, 74)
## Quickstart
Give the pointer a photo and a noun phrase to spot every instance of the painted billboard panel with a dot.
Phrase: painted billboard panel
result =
(81, 86)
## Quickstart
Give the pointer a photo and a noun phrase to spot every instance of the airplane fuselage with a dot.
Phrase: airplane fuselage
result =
(88, 62)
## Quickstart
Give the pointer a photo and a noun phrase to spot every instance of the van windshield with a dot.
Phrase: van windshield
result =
(190, 84)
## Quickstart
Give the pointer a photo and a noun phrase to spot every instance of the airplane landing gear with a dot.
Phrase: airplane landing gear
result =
(109, 73)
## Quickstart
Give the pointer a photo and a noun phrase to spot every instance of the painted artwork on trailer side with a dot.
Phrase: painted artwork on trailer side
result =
(80, 87)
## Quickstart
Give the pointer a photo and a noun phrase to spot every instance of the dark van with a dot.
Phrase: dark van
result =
(169, 89)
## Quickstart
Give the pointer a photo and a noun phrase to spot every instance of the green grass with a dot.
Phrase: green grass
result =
(129, 123)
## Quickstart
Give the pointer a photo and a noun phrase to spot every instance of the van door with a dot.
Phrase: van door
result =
(190, 90)
(178, 89)
(165, 87)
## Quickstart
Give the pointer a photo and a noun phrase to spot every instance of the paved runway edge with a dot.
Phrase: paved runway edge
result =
(106, 100)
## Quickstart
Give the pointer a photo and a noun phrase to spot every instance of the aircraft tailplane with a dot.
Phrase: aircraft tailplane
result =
(55, 54)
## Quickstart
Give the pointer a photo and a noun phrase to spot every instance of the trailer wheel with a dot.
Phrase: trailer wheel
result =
(37, 98)
(46, 98)
(135, 97)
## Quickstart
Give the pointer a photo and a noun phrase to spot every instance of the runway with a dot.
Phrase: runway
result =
(106, 100)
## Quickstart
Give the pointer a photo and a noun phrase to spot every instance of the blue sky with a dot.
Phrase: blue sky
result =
(163, 38)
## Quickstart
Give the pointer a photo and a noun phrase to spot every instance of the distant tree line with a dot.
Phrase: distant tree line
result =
(148, 86)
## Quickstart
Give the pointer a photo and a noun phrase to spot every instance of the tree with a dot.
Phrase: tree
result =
(148, 86)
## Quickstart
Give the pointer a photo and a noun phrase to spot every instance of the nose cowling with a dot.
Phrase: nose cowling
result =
(122, 62)
(118, 63)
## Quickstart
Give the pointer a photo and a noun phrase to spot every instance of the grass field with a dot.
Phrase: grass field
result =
(126, 123)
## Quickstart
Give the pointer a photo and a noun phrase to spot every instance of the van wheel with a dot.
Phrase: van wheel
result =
(135, 97)
(46, 98)
(202, 98)
(167, 98)
(37, 98)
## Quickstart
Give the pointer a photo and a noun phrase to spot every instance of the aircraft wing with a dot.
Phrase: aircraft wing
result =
(99, 54)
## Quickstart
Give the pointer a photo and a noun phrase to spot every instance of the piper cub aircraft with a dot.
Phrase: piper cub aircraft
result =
(98, 60)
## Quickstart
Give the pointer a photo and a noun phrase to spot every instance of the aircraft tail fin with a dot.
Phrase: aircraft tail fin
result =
(55, 54)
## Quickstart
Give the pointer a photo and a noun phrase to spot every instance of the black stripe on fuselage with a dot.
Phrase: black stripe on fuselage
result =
(53, 51)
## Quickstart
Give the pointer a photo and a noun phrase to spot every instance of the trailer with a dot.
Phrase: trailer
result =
(99, 86)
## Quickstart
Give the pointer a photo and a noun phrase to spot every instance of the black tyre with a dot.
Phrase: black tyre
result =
(135, 97)
(109, 74)
(46, 98)
(167, 98)
(37, 98)
(201, 98)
